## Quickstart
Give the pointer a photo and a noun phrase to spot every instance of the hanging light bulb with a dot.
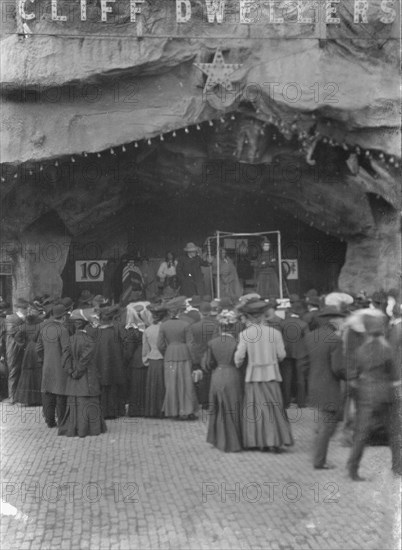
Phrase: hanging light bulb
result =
(392, 160)
(222, 119)
(30, 172)
(149, 142)
(15, 176)
(186, 130)
(85, 154)
(367, 153)
(98, 155)
(161, 138)
(111, 151)
(198, 127)
(232, 117)
(174, 134)
(135, 144)
(345, 146)
(381, 155)
(56, 163)
(3, 179)
(211, 123)
(40, 168)
(72, 159)
(123, 149)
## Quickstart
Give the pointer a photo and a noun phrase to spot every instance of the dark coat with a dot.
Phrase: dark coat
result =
(326, 368)
(108, 354)
(202, 331)
(83, 377)
(375, 372)
(190, 276)
(276, 322)
(294, 331)
(53, 348)
(14, 349)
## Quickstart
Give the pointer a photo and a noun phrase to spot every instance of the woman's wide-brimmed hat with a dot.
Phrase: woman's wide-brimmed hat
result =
(331, 311)
(253, 307)
(227, 317)
(190, 247)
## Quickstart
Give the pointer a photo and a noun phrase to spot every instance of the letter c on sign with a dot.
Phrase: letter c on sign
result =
(21, 10)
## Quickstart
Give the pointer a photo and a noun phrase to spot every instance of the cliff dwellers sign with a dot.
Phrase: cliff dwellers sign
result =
(248, 11)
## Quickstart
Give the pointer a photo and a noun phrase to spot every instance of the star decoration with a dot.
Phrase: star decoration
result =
(218, 71)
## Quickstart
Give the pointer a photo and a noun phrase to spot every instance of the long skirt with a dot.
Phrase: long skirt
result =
(268, 284)
(83, 417)
(264, 420)
(137, 390)
(112, 401)
(180, 398)
(155, 389)
(226, 400)
(29, 385)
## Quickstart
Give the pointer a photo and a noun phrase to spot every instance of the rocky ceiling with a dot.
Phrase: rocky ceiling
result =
(96, 118)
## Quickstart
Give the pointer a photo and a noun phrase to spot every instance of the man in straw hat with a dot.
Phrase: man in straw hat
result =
(327, 368)
(189, 272)
(52, 348)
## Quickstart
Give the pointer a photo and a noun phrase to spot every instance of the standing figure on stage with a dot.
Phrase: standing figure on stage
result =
(174, 343)
(267, 267)
(189, 271)
(167, 271)
(229, 284)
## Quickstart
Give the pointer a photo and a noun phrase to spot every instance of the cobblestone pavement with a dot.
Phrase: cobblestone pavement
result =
(157, 484)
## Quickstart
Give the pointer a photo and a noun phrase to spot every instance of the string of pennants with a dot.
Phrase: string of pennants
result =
(308, 141)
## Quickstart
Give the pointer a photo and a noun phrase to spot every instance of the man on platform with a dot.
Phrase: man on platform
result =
(189, 271)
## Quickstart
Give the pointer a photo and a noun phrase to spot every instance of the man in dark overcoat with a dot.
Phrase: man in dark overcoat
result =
(373, 378)
(52, 348)
(294, 368)
(324, 346)
(189, 273)
(14, 349)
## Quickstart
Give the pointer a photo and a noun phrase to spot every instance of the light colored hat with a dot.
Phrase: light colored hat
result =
(227, 317)
(190, 247)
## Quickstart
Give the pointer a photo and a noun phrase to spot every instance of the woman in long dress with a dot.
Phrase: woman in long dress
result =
(29, 385)
(264, 421)
(83, 412)
(229, 284)
(225, 396)
(267, 278)
(137, 320)
(174, 341)
(153, 359)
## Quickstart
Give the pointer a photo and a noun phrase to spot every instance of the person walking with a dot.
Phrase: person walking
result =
(327, 368)
(374, 377)
(14, 349)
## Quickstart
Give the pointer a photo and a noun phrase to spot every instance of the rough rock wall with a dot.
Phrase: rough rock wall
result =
(79, 87)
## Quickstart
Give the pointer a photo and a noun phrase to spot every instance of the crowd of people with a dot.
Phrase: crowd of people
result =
(245, 360)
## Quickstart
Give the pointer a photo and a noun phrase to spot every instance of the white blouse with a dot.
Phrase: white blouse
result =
(165, 271)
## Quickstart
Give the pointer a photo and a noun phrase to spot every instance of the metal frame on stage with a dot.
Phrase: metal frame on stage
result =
(222, 234)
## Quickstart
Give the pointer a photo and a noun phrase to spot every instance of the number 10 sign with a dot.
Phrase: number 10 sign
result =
(89, 271)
